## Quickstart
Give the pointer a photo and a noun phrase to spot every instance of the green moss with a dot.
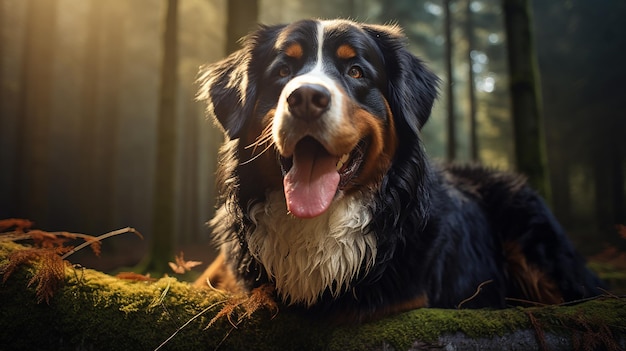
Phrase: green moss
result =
(427, 325)
(96, 311)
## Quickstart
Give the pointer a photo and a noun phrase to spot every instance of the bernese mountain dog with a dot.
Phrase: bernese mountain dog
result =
(326, 193)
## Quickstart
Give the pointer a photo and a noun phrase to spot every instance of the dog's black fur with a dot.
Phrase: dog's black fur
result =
(441, 231)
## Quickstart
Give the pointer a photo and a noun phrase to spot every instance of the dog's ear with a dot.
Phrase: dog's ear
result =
(225, 87)
(412, 87)
(229, 86)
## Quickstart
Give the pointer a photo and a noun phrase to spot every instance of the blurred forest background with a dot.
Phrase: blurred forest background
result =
(97, 110)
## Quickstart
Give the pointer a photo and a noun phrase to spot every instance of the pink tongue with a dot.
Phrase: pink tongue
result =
(311, 184)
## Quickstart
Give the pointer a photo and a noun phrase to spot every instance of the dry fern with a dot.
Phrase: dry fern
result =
(19, 225)
(50, 269)
(592, 335)
(261, 297)
(47, 255)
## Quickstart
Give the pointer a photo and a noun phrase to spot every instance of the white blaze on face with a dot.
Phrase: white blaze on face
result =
(312, 182)
(285, 130)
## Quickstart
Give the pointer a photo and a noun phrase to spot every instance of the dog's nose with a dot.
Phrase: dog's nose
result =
(309, 101)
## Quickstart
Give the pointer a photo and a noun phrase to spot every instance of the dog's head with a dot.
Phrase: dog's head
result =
(320, 108)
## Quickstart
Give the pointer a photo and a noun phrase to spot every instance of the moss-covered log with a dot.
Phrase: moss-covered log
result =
(95, 311)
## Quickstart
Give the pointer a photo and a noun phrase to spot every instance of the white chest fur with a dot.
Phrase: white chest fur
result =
(305, 257)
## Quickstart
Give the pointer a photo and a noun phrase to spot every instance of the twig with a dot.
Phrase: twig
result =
(609, 294)
(100, 238)
(224, 338)
(13, 236)
(541, 338)
(528, 302)
(478, 289)
(187, 323)
(576, 302)
(606, 294)
(159, 300)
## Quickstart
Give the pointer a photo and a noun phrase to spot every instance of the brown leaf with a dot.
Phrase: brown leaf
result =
(181, 266)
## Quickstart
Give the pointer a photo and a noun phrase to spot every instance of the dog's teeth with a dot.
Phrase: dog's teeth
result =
(342, 161)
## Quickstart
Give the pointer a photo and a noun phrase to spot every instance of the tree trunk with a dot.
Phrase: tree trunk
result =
(603, 206)
(617, 178)
(114, 28)
(451, 125)
(2, 58)
(162, 240)
(87, 187)
(242, 18)
(471, 88)
(561, 191)
(188, 178)
(608, 179)
(529, 140)
(30, 191)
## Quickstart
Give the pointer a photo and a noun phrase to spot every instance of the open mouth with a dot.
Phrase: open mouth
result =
(312, 176)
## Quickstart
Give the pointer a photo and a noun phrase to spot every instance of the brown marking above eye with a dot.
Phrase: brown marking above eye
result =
(346, 52)
(294, 50)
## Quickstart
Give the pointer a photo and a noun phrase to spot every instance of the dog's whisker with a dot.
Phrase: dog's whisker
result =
(258, 155)
(262, 139)
(266, 136)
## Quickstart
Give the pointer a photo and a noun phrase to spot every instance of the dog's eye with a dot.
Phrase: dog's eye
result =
(284, 71)
(355, 72)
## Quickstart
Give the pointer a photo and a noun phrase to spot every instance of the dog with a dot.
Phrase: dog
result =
(326, 194)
